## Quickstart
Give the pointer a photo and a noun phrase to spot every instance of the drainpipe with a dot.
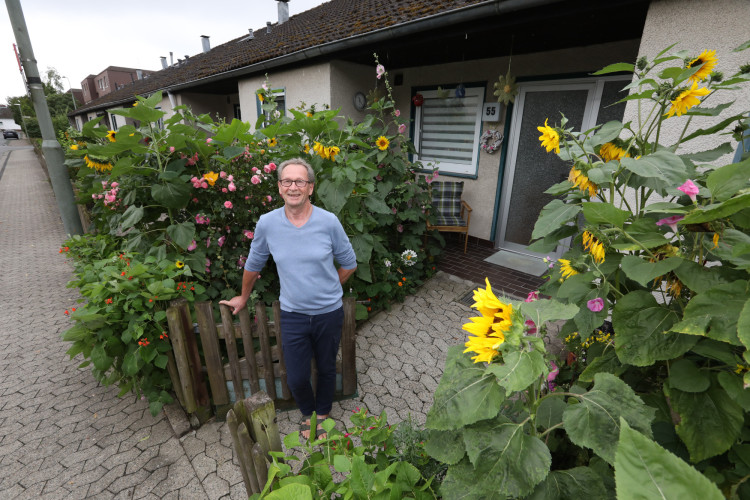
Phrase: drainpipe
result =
(206, 43)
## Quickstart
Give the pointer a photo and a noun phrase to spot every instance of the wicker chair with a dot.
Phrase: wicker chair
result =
(452, 214)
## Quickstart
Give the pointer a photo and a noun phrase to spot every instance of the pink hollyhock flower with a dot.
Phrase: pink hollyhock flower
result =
(400, 228)
(209, 140)
(532, 296)
(272, 166)
(230, 178)
(248, 234)
(208, 265)
(267, 169)
(402, 128)
(223, 174)
(255, 179)
(224, 190)
(254, 169)
(378, 178)
(247, 198)
(552, 375)
(228, 204)
(241, 261)
(394, 210)
(171, 149)
(268, 198)
(531, 325)
(114, 184)
(192, 246)
(397, 113)
(204, 185)
(595, 305)
(690, 189)
(379, 70)
(208, 242)
(221, 241)
(104, 184)
(670, 221)
(232, 187)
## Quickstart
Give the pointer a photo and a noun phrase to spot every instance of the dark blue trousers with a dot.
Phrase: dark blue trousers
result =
(304, 336)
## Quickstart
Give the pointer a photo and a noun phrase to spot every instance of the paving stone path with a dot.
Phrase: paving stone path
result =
(63, 435)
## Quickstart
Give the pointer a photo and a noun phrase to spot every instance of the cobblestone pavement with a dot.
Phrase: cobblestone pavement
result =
(62, 435)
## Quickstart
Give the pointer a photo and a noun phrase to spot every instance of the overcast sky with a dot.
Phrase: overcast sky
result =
(81, 38)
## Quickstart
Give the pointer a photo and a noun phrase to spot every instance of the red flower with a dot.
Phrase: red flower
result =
(66, 312)
(73, 309)
(122, 273)
(109, 300)
(130, 277)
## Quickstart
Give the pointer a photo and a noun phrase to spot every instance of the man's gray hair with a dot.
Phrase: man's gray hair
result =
(297, 161)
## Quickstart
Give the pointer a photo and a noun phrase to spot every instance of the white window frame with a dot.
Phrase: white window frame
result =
(443, 165)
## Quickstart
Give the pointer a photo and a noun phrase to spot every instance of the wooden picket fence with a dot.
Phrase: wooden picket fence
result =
(233, 376)
(252, 425)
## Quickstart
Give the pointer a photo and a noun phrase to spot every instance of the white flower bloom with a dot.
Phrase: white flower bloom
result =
(387, 263)
(409, 257)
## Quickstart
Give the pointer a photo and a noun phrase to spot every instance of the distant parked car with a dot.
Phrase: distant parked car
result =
(7, 134)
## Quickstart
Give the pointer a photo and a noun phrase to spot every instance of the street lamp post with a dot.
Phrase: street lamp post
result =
(71, 92)
(23, 120)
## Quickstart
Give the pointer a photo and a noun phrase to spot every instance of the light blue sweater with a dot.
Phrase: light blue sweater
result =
(304, 259)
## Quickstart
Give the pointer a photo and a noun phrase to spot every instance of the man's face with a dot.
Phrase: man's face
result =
(295, 196)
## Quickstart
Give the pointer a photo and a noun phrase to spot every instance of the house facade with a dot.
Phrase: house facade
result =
(451, 53)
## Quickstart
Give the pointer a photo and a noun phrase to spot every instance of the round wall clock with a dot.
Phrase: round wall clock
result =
(360, 101)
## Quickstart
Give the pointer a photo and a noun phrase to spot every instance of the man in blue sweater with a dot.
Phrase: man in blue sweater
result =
(304, 241)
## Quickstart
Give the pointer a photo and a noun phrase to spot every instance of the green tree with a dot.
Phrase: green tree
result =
(58, 101)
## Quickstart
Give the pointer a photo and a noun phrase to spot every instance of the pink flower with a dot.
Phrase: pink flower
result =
(531, 325)
(378, 178)
(208, 242)
(400, 228)
(255, 179)
(209, 140)
(267, 169)
(254, 169)
(552, 375)
(232, 187)
(241, 261)
(208, 265)
(230, 178)
(228, 204)
(394, 210)
(595, 305)
(532, 296)
(204, 185)
(268, 198)
(224, 190)
(221, 241)
(397, 113)
(248, 234)
(114, 184)
(223, 174)
(379, 70)
(171, 149)
(272, 166)
(402, 128)
(690, 189)
(671, 222)
(192, 246)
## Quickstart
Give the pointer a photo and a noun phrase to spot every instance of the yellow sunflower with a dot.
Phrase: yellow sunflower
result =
(272, 142)
(179, 264)
(333, 151)
(550, 138)
(566, 269)
(111, 136)
(582, 182)
(611, 152)
(211, 178)
(95, 165)
(484, 347)
(707, 61)
(307, 148)
(594, 247)
(135, 104)
(261, 98)
(74, 147)
(382, 143)
(486, 302)
(687, 99)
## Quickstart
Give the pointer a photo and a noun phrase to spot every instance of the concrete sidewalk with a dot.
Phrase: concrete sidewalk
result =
(62, 435)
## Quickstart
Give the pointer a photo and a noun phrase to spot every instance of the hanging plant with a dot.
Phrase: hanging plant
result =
(506, 88)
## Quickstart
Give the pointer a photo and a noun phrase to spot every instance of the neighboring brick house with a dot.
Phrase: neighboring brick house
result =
(111, 79)
(325, 56)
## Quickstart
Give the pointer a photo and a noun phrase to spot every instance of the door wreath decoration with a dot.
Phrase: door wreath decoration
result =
(491, 141)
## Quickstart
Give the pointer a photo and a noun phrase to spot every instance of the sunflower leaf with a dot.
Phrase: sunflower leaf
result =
(555, 214)
(615, 68)
(518, 370)
(580, 482)
(701, 318)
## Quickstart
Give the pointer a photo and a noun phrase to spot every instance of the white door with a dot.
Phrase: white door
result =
(529, 169)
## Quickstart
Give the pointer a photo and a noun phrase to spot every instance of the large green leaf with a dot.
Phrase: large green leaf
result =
(660, 170)
(465, 394)
(503, 454)
(171, 194)
(550, 412)
(643, 271)
(553, 215)
(728, 180)
(544, 310)
(377, 205)
(697, 277)
(718, 210)
(606, 133)
(710, 421)
(463, 483)
(131, 217)
(743, 325)
(182, 233)
(579, 483)
(732, 383)
(596, 419)
(642, 330)
(687, 377)
(518, 370)
(643, 469)
(334, 195)
(715, 313)
(445, 446)
(604, 213)
(100, 358)
(734, 247)
(605, 363)
(362, 245)
(587, 320)
(616, 68)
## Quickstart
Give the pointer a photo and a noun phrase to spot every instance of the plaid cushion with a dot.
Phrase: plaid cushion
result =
(446, 199)
(450, 220)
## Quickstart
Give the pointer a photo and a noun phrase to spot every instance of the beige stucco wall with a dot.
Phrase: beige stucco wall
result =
(346, 80)
(214, 105)
(698, 25)
(481, 192)
(309, 85)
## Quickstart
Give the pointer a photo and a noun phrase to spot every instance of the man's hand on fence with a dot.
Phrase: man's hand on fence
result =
(236, 303)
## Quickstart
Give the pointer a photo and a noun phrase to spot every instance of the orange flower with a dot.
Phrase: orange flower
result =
(400, 284)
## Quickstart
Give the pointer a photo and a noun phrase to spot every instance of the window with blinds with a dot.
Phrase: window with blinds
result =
(448, 129)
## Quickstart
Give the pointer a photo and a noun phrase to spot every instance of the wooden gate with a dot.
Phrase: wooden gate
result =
(236, 372)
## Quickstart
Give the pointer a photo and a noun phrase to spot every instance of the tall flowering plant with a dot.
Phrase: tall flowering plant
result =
(658, 243)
